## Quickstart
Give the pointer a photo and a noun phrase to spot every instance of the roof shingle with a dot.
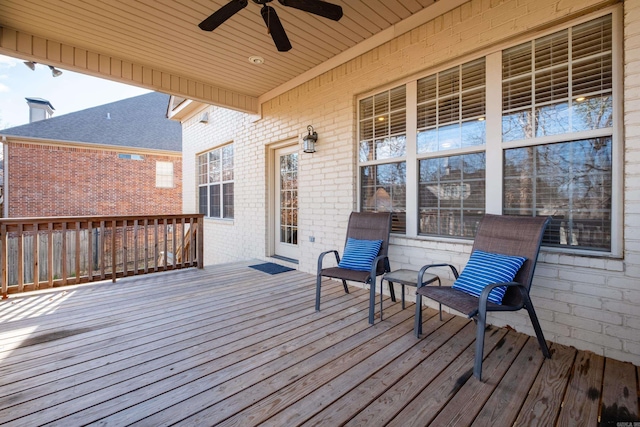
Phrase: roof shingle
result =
(138, 122)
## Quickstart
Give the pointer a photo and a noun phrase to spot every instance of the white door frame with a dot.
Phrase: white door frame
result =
(277, 247)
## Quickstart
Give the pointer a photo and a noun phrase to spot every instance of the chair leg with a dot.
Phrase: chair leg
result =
(392, 292)
(372, 300)
(318, 282)
(480, 325)
(536, 327)
(417, 326)
(344, 285)
(440, 304)
(382, 295)
(402, 297)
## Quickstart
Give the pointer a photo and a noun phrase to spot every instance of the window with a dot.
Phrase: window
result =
(452, 195)
(562, 84)
(552, 150)
(164, 174)
(451, 116)
(451, 108)
(559, 84)
(382, 142)
(215, 182)
(569, 180)
(127, 156)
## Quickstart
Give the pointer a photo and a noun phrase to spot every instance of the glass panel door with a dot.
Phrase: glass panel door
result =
(286, 227)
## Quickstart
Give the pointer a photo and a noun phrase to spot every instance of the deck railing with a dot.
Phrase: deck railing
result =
(37, 253)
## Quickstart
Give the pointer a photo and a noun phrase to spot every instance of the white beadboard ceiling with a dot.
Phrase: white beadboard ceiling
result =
(162, 36)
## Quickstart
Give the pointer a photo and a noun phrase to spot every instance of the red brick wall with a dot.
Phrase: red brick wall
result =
(65, 181)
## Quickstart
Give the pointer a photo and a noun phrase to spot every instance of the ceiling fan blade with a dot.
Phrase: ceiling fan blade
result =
(222, 14)
(317, 7)
(275, 28)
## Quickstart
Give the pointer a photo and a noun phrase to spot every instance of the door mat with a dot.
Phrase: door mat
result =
(271, 268)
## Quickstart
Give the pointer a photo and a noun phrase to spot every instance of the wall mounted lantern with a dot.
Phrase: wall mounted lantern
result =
(309, 140)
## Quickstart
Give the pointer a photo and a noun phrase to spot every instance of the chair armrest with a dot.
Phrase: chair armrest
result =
(323, 254)
(484, 296)
(374, 267)
(426, 267)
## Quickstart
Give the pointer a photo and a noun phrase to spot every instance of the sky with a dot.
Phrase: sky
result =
(67, 93)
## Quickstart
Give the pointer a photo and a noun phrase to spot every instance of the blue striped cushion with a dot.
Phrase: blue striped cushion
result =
(485, 268)
(359, 254)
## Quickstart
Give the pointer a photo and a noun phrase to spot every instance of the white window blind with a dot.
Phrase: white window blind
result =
(164, 174)
(383, 125)
(215, 183)
(558, 84)
(383, 140)
(451, 108)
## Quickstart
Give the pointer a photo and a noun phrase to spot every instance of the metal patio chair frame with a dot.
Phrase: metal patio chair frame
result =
(507, 235)
(362, 226)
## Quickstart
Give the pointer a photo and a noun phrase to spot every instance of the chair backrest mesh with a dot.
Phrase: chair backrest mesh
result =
(371, 226)
(513, 235)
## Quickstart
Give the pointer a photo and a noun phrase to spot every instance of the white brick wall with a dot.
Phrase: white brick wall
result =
(590, 303)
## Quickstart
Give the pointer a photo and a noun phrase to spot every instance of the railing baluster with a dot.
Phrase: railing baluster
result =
(166, 236)
(64, 253)
(114, 272)
(125, 249)
(102, 255)
(90, 250)
(183, 251)
(135, 247)
(146, 245)
(175, 243)
(78, 248)
(20, 258)
(50, 254)
(155, 245)
(36, 257)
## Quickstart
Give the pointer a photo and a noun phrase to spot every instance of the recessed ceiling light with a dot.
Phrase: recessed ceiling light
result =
(256, 60)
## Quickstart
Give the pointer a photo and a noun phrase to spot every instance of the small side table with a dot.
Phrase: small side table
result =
(405, 278)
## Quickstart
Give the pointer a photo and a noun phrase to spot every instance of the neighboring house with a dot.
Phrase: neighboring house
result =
(121, 158)
(522, 107)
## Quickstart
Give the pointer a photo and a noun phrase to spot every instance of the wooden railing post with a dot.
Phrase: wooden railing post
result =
(200, 241)
(3, 262)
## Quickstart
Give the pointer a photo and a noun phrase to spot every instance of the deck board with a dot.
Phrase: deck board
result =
(472, 397)
(619, 402)
(581, 402)
(203, 347)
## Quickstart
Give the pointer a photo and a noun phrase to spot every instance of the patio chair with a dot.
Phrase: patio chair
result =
(361, 261)
(518, 238)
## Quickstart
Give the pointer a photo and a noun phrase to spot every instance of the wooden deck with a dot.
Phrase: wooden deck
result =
(230, 345)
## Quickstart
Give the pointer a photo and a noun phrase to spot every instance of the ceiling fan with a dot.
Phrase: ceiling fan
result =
(274, 26)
